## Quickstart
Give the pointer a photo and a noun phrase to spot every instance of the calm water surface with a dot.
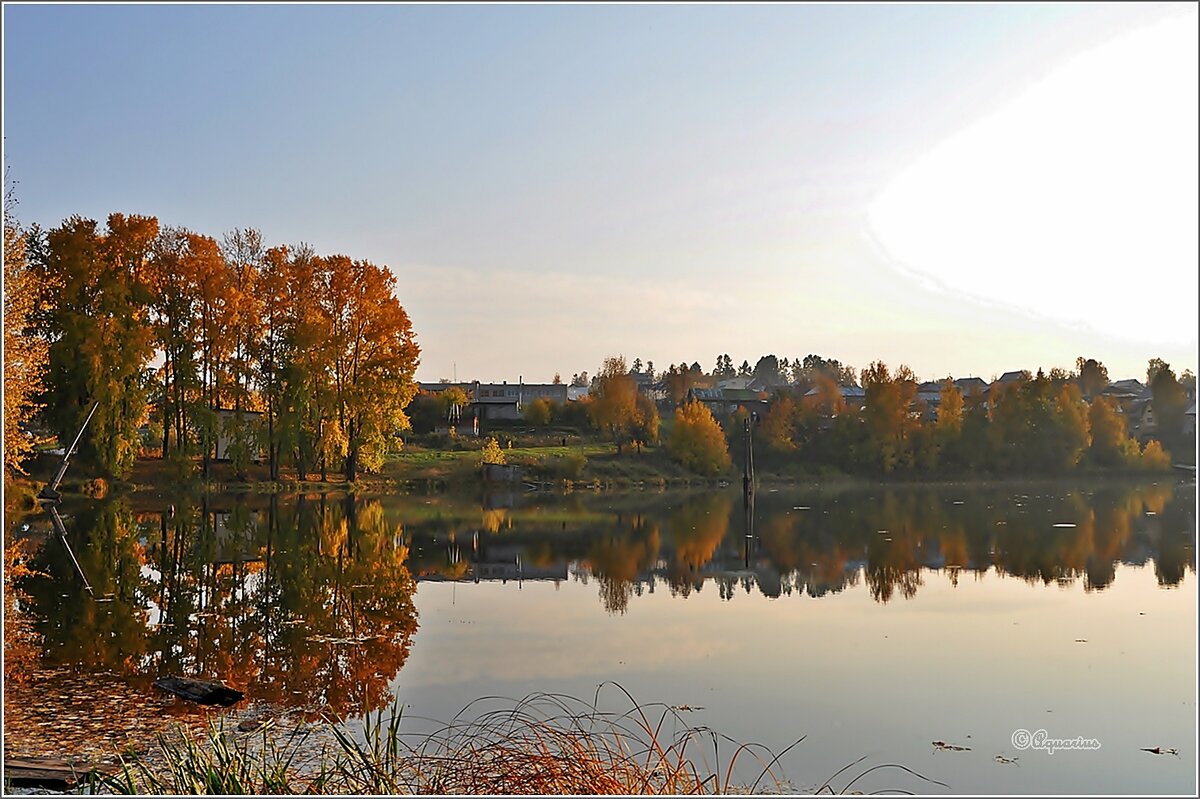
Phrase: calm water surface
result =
(874, 621)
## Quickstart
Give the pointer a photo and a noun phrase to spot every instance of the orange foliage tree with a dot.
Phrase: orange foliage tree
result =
(697, 441)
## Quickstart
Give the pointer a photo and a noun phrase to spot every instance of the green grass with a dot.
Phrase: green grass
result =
(584, 464)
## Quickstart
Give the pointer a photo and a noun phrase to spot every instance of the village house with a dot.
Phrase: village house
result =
(722, 402)
(853, 397)
(971, 386)
(504, 400)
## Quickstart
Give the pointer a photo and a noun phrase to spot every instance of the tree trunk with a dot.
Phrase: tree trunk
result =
(272, 458)
(166, 409)
(352, 455)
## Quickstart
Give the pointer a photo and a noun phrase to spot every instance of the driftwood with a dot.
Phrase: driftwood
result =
(45, 772)
(206, 693)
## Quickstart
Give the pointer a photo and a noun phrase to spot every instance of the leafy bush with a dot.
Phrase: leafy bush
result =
(492, 452)
(697, 442)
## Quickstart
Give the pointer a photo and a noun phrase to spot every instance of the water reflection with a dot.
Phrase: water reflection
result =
(890, 539)
(306, 603)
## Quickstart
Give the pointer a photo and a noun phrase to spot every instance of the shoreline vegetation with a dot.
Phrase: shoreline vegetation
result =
(592, 466)
(547, 744)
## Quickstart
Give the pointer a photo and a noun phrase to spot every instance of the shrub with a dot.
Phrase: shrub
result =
(537, 413)
(492, 452)
(1154, 457)
(697, 442)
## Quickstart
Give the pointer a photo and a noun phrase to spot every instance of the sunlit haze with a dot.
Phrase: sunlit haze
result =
(965, 189)
(1083, 184)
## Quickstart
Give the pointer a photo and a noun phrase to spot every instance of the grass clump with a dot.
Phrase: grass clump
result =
(543, 744)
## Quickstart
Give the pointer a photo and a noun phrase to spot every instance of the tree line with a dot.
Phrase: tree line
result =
(309, 357)
(1042, 423)
(1052, 422)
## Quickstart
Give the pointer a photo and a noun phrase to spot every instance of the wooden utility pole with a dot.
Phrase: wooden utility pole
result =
(748, 467)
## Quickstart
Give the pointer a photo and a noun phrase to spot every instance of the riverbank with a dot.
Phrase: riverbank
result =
(546, 744)
(586, 465)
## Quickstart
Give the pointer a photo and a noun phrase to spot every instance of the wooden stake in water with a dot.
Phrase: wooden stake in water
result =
(50, 492)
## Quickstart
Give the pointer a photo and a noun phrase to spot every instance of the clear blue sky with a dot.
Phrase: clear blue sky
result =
(552, 185)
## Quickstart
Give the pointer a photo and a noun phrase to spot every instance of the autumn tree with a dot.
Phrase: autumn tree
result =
(889, 423)
(94, 317)
(614, 401)
(272, 351)
(492, 454)
(214, 306)
(1110, 441)
(244, 254)
(778, 428)
(537, 413)
(645, 421)
(24, 351)
(374, 356)
(950, 406)
(679, 380)
(697, 441)
(306, 390)
(174, 297)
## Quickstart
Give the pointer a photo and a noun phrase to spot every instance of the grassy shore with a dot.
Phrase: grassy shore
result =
(548, 459)
(547, 744)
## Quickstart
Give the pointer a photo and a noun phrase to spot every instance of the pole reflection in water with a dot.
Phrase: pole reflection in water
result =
(307, 603)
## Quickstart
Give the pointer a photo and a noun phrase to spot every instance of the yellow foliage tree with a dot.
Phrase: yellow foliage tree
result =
(492, 452)
(697, 441)
(614, 401)
(1154, 457)
(24, 352)
(537, 412)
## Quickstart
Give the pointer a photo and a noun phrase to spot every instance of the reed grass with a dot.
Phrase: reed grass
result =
(544, 744)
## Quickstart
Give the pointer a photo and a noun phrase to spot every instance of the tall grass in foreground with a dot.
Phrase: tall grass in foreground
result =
(543, 744)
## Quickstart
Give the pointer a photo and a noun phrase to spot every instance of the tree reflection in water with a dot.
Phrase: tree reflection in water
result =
(304, 603)
(889, 538)
(307, 603)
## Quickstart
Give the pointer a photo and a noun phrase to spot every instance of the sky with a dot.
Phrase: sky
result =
(964, 189)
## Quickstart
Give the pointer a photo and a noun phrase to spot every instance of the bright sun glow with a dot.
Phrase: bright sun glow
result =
(1077, 200)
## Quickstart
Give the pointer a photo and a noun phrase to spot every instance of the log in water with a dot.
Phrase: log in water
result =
(45, 772)
(206, 693)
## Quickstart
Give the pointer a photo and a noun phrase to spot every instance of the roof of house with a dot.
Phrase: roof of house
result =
(970, 382)
(846, 391)
(725, 394)
(1010, 377)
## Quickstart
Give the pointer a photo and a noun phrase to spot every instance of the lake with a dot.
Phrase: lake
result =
(871, 620)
